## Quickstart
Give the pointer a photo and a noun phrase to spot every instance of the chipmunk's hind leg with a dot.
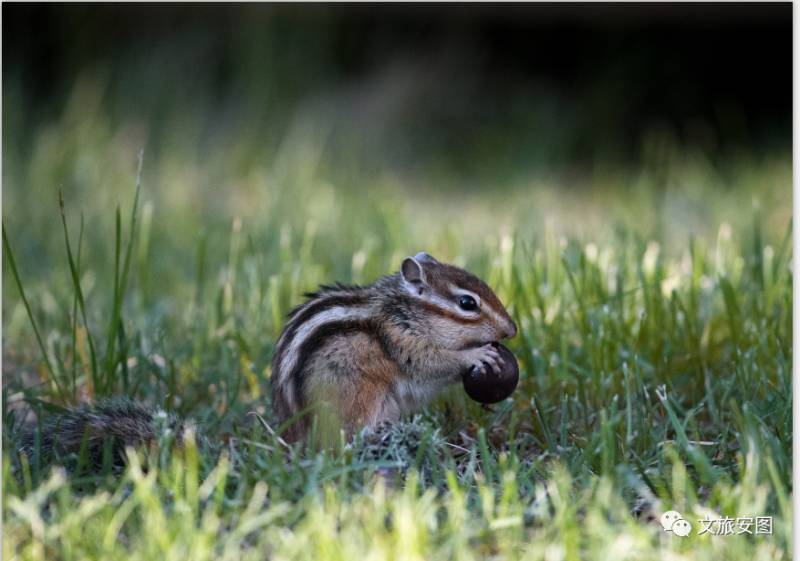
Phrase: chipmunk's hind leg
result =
(352, 373)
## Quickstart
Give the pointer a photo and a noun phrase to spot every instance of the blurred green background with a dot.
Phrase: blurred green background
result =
(523, 104)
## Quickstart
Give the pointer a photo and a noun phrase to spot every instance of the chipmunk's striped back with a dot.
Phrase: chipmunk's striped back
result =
(333, 309)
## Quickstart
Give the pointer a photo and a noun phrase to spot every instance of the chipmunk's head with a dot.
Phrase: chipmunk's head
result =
(459, 307)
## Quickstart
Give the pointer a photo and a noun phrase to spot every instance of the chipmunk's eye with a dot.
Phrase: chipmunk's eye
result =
(467, 303)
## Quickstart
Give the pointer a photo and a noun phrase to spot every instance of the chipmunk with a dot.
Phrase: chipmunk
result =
(381, 351)
(373, 353)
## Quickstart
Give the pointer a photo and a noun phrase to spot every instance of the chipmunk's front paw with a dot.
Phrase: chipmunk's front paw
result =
(479, 357)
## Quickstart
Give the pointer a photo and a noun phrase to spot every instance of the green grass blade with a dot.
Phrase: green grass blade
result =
(15, 272)
(120, 283)
(76, 285)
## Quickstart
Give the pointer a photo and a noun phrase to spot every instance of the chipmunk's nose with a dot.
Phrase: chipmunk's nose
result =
(511, 330)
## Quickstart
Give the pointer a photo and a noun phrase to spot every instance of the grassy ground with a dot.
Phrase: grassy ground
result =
(654, 306)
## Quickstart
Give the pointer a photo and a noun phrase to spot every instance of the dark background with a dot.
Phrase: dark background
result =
(582, 82)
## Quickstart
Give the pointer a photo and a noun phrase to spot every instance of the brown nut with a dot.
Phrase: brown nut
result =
(491, 386)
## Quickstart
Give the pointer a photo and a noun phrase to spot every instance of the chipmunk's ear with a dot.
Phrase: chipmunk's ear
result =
(423, 257)
(412, 272)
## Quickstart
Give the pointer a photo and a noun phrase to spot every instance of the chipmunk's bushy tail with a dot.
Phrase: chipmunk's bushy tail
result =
(93, 431)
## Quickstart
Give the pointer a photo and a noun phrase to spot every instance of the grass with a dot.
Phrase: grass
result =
(654, 307)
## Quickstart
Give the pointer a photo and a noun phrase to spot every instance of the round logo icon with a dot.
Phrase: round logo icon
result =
(681, 528)
(669, 518)
(672, 521)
